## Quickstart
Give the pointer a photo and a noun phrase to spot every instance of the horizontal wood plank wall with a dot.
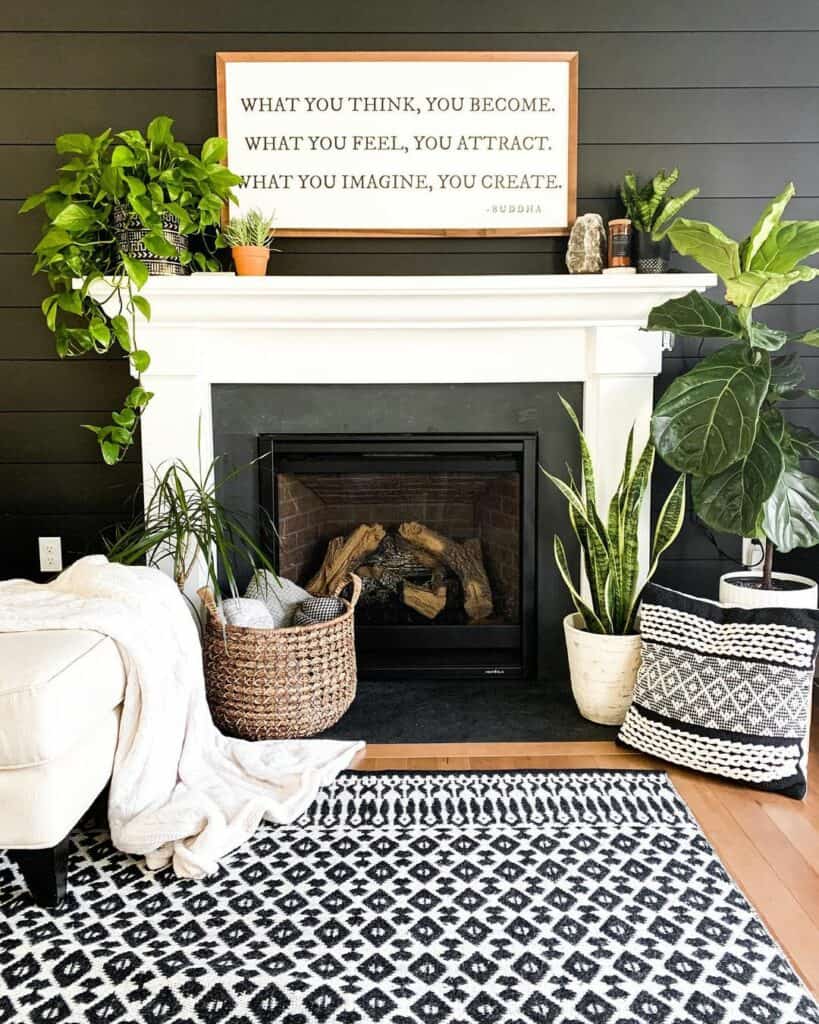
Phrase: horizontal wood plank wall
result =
(729, 96)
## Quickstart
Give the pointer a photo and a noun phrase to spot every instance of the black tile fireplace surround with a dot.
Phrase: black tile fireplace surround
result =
(440, 452)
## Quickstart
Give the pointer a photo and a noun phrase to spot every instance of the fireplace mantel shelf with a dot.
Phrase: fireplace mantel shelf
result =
(214, 301)
(217, 329)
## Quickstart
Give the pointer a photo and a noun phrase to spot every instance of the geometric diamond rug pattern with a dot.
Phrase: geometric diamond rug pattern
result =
(533, 897)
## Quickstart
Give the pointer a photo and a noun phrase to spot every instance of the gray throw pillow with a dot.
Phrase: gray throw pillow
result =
(281, 597)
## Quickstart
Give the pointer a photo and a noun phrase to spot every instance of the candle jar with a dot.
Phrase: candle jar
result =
(620, 242)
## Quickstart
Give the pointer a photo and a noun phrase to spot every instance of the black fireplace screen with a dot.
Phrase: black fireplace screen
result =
(439, 528)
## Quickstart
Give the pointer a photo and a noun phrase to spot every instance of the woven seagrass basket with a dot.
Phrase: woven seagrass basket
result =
(286, 683)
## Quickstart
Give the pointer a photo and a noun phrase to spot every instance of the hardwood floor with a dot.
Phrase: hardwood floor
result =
(768, 843)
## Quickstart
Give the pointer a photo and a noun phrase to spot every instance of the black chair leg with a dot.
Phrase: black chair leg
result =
(45, 872)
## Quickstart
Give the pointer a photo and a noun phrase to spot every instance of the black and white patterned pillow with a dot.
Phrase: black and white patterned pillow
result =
(725, 690)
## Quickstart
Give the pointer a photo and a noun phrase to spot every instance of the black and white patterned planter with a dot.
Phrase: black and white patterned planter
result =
(130, 233)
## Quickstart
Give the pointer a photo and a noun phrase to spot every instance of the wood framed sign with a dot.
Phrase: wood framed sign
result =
(439, 143)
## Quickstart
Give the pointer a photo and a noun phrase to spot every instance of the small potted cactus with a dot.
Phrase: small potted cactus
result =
(250, 239)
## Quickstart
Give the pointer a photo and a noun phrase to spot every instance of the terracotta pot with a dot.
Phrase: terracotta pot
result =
(250, 260)
(603, 671)
(795, 592)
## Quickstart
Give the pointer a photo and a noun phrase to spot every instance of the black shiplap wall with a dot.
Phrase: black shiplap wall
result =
(730, 96)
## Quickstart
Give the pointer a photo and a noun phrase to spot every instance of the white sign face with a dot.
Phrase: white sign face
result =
(419, 144)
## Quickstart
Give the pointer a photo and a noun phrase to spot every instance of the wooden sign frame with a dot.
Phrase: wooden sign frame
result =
(567, 57)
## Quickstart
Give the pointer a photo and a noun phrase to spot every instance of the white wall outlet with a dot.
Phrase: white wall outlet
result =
(751, 552)
(51, 554)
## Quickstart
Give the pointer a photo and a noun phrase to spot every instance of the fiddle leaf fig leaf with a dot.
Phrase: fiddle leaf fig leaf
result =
(706, 420)
(791, 514)
(802, 442)
(757, 287)
(786, 373)
(707, 245)
(732, 500)
(790, 243)
(768, 221)
(695, 316)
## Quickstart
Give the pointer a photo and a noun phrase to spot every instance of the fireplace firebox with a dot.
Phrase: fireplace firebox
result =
(441, 529)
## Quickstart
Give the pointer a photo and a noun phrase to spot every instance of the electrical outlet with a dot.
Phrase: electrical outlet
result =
(51, 554)
(751, 552)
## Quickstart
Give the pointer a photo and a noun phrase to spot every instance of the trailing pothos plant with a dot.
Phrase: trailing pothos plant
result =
(611, 548)
(722, 422)
(94, 284)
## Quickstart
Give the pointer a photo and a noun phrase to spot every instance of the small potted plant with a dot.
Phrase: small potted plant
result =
(723, 421)
(651, 210)
(123, 207)
(602, 639)
(250, 239)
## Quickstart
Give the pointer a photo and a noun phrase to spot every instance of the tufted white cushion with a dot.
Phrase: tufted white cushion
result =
(54, 686)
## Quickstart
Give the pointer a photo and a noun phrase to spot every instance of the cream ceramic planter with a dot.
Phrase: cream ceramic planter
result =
(603, 671)
(803, 594)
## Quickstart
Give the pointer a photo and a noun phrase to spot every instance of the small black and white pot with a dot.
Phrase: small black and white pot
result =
(790, 591)
(652, 257)
(131, 232)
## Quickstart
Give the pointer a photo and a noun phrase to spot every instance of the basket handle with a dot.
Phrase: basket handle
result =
(356, 585)
(206, 597)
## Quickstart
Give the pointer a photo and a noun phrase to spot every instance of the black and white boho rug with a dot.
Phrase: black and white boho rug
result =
(475, 897)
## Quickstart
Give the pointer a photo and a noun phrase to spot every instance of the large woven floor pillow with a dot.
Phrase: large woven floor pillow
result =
(725, 690)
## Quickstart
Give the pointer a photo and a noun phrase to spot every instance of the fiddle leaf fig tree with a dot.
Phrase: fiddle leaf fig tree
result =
(722, 422)
(94, 302)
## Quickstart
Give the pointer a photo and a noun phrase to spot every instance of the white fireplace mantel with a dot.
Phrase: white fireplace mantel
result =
(211, 329)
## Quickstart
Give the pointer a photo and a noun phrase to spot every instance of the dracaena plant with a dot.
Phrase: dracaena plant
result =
(722, 422)
(94, 300)
(650, 208)
(611, 547)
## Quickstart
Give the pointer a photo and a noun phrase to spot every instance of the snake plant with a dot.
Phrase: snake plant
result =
(611, 548)
(650, 208)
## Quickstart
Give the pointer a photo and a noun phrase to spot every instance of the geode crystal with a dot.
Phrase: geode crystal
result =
(587, 245)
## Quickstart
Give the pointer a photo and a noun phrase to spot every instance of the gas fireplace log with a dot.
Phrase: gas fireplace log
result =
(318, 584)
(465, 560)
(342, 559)
(428, 601)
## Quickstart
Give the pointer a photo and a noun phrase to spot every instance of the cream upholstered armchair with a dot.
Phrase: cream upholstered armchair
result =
(60, 697)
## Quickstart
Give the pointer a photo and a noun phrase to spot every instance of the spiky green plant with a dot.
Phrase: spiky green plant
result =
(650, 208)
(611, 549)
(185, 519)
(254, 228)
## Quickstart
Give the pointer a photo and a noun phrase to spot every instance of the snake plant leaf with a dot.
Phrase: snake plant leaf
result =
(768, 221)
(791, 514)
(695, 316)
(669, 523)
(585, 455)
(706, 420)
(758, 287)
(731, 500)
(591, 621)
(707, 245)
(791, 242)
(802, 442)
(669, 211)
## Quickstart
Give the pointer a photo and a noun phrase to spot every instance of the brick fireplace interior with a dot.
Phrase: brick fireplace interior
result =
(440, 531)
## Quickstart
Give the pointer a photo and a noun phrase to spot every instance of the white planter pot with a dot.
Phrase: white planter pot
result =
(752, 597)
(603, 671)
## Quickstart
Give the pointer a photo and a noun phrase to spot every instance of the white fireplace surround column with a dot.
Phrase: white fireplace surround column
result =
(211, 329)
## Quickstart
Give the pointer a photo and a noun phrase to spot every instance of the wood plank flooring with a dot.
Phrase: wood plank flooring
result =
(769, 844)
